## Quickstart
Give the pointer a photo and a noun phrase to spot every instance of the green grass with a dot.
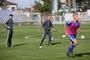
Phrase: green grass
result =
(28, 49)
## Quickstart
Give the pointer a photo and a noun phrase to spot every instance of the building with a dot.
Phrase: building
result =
(10, 5)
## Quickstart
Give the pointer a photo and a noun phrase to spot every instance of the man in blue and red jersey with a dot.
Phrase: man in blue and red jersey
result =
(71, 28)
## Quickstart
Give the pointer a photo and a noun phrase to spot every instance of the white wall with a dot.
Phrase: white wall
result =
(11, 6)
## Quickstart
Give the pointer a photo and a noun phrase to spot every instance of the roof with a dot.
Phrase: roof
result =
(10, 3)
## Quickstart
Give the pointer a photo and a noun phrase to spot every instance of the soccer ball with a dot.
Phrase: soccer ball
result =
(52, 38)
(63, 36)
(82, 37)
(26, 37)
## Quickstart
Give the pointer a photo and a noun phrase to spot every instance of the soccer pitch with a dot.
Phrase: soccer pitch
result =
(28, 48)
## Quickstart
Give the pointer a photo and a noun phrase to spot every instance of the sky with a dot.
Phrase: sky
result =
(24, 3)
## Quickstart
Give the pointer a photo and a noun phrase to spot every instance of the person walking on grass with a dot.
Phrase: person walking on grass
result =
(47, 25)
(71, 28)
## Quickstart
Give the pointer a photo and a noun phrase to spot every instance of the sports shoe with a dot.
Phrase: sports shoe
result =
(69, 54)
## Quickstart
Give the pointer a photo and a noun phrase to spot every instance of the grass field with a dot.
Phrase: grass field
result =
(28, 49)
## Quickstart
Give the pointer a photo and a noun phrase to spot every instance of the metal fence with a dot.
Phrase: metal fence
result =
(35, 18)
(20, 17)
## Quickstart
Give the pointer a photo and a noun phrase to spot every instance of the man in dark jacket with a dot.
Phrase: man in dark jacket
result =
(9, 27)
(47, 25)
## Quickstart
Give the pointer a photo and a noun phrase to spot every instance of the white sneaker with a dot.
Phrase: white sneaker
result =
(41, 47)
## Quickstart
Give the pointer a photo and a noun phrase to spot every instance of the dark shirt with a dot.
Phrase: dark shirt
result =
(9, 24)
(47, 25)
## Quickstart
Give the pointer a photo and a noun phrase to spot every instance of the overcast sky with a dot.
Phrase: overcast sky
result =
(24, 3)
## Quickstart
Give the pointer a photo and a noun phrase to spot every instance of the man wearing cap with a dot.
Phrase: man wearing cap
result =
(9, 27)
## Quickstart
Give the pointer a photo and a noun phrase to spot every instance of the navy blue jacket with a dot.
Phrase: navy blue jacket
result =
(47, 25)
(9, 24)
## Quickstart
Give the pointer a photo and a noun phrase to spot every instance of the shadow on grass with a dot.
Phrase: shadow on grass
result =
(56, 43)
(82, 54)
(17, 45)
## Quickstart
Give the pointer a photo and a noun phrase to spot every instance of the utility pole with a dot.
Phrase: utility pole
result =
(54, 6)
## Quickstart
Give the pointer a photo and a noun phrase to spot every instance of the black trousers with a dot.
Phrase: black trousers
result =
(9, 37)
(49, 34)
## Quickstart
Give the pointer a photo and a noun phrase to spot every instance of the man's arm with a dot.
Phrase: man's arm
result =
(78, 27)
(66, 25)
(51, 25)
(65, 29)
(5, 25)
(42, 26)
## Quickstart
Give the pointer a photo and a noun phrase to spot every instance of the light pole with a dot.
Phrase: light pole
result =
(54, 6)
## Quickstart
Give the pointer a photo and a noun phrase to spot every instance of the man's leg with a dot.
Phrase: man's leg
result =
(49, 38)
(72, 46)
(43, 38)
(9, 42)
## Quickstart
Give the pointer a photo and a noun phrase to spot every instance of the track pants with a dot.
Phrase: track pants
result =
(9, 37)
(46, 33)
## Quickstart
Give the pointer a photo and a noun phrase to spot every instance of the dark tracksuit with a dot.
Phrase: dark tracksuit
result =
(9, 24)
(47, 25)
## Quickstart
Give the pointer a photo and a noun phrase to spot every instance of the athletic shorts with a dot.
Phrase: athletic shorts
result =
(72, 37)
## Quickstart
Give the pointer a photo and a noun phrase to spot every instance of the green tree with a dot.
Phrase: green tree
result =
(2, 2)
(45, 7)
(59, 4)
